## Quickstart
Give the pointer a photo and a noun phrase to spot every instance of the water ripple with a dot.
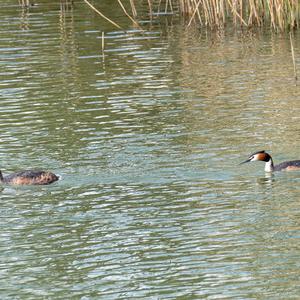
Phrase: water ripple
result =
(147, 136)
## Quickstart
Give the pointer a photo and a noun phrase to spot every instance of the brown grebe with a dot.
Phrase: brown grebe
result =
(269, 166)
(29, 177)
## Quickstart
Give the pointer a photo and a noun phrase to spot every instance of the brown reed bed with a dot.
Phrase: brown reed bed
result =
(277, 14)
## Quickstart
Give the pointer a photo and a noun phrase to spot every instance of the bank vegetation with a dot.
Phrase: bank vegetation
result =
(279, 15)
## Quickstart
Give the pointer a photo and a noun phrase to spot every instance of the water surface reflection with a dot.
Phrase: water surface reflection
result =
(147, 139)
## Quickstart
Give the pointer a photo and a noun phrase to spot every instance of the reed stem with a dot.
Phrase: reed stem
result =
(127, 14)
(101, 14)
(102, 42)
(293, 57)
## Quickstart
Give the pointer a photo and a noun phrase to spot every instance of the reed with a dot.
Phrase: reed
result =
(293, 58)
(24, 3)
(101, 14)
(278, 14)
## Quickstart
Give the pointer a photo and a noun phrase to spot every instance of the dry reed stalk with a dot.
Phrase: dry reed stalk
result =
(255, 17)
(102, 15)
(24, 3)
(206, 13)
(133, 9)
(196, 10)
(293, 57)
(128, 15)
(216, 12)
(271, 11)
(171, 7)
(241, 9)
(181, 6)
(102, 42)
(279, 14)
(209, 9)
(102, 46)
(235, 13)
(198, 13)
(150, 8)
(186, 7)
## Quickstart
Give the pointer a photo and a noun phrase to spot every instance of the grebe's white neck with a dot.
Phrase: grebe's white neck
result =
(269, 167)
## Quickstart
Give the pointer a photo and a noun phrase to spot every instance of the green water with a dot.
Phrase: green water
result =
(147, 137)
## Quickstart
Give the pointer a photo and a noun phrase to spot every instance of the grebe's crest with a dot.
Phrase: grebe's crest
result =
(261, 155)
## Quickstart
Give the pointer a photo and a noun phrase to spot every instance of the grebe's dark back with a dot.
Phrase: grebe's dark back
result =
(29, 177)
(269, 165)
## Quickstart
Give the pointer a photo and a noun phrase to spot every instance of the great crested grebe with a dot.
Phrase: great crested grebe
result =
(29, 177)
(269, 166)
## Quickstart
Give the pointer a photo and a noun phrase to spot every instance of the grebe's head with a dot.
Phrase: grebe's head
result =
(260, 155)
